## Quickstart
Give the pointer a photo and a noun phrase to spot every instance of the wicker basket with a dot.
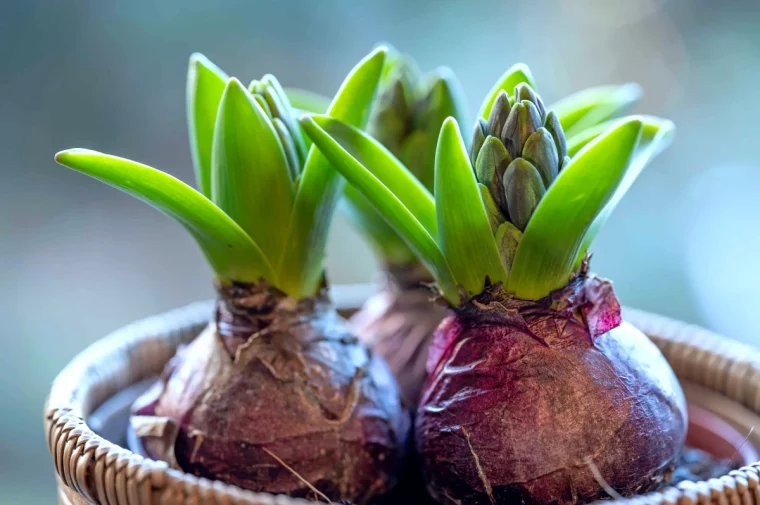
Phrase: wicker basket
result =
(721, 375)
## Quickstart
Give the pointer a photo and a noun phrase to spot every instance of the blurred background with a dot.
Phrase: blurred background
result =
(80, 259)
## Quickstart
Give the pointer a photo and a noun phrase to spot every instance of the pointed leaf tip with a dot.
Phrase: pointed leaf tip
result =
(449, 92)
(308, 118)
(449, 123)
(200, 60)
(389, 48)
(666, 134)
(444, 73)
(63, 157)
(378, 54)
(630, 92)
(235, 84)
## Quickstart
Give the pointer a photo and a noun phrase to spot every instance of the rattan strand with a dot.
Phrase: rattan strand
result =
(93, 470)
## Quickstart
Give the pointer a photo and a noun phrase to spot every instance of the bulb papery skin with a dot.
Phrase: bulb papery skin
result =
(273, 388)
(398, 323)
(525, 401)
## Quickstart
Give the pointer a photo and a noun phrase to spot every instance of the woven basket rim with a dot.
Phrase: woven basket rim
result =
(95, 469)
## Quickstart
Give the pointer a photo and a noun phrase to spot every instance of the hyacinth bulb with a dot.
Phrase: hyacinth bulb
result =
(527, 402)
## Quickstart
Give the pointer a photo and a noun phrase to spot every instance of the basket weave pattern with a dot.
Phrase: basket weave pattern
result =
(93, 470)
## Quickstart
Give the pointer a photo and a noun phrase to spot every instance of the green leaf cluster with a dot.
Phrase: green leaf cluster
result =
(469, 246)
(265, 197)
(406, 118)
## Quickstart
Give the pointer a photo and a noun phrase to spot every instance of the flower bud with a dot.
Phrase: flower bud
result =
(490, 166)
(540, 150)
(523, 189)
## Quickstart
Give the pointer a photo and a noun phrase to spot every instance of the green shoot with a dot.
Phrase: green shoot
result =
(229, 250)
(385, 167)
(338, 149)
(265, 202)
(205, 84)
(465, 235)
(249, 171)
(275, 97)
(657, 134)
(528, 183)
(300, 267)
(406, 119)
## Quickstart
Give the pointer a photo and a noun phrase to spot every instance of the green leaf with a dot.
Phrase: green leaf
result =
(320, 186)
(205, 85)
(278, 101)
(384, 166)
(230, 251)
(512, 77)
(581, 139)
(593, 105)
(656, 135)
(652, 125)
(464, 233)
(445, 98)
(250, 178)
(546, 255)
(383, 239)
(442, 98)
(394, 175)
(387, 204)
(286, 140)
(394, 61)
(307, 101)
